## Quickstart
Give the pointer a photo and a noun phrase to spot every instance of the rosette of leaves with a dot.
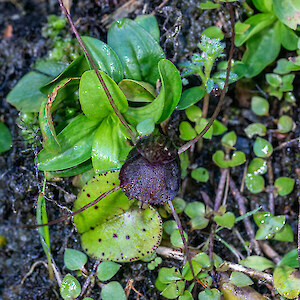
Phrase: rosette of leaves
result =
(264, 33)
(130, 63)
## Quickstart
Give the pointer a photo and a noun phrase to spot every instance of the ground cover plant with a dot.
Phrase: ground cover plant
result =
(92, 144)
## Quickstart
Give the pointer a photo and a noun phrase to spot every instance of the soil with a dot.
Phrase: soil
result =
(20, 181)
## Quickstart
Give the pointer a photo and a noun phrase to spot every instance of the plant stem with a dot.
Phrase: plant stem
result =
(218, 108)
(90, 59)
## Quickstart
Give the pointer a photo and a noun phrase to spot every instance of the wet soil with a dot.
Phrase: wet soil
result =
(20, 182)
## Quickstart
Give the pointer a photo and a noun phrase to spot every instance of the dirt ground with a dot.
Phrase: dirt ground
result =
(20, 181)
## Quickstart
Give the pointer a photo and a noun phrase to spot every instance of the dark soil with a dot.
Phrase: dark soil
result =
(20, 181)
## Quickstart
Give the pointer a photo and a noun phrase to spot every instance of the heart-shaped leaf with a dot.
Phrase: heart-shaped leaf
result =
(227, 220)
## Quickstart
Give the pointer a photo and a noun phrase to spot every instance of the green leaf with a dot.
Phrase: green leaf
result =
(76, 146)
(70, 287)
(287, 83)
(92, 97)
(257, 23)
(288, 12)
(193, 113)
(199, 222)
(176, 239)
(74, 259)
(290, 259)
(26, 95)
(229, 139)
(107, 269)
(259, 263)
(271, 226)
(149, 23)
(190, 97)
(260, 217)
(186, 296)
(179, 204)
(274, 79)
(255, 128)
(254, 183)
(145, 127)
(218, 128)
(260, 106)
(113, 291)
(263, 5)
(194, 209)
(289, 39)
(257, 166)
(213, 32)
(262, 148)
(285, 66)
(200, 126)
(203, 259)
(285, 234)
(284, 185)
(166, 101)
(169, 226)
(208, 294)
(110, 147)
(227, 220)
(237, 158)
(137, 91)
(167, 275)
(5, 138)
(173, 290)
(200, 174)
(187, 132)
(187, 273)
(240, 279)
(262, 49)
(287, 282)
(104, 57)
(219, 159)
(209, 5)
(285, 124)
(138, 51)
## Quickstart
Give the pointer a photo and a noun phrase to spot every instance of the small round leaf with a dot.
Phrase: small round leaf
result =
(176, 239)
(255, 128)
(260, 106)
(195, 209)
(284, 185)
(70, 287)
(107, 269)
(262, 148)
(74, 259)
(200, 174)
(285, 124)
(257, 166)
(254, 183)
(240, 279)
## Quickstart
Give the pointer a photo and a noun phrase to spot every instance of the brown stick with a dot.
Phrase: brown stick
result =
(220, 189)
(218, 108)
(241, 203)
(90, 59)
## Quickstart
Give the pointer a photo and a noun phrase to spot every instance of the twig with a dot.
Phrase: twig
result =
(242, 208)
(251, 272)
(288, 143)
(270, 252)
(88, 280)
(220, 189)
(32, 269)
(170, 253)
(206, 199)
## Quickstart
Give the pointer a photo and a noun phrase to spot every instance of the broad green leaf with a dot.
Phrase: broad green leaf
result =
(255, 128)
(187, 273)
(187, 132)
(107, 269)
(186, 296)
(240, 279)
(75, 69)
(76, 141)
(257, 166)
(199, 222)
(288, 12)
(195, 209)
(137, 91)
(113, 291)
(214, 32)
(287, 282)
(149, 23)
(128, 236)
(237, 158)
(218, 128)
(209, 5)
(260, 106)
(167, 275)
(285, 66)
(208, 294)
(26, 95)
(257, 23)
(290, 259)
(145, 127)
(5, 138)
(271, 226)
(259, 263)
(74, 259)
(164, 104)
(200, 174)
(173, 290)
(110, 206)
(260, 217)
(219, 159)
(203, 259)
(263, 5)
(262, 49)
(190, 97)
(104, 57)
(285, 124)
(285, 234)
(262, 148)
(110, 147)
(289, 39)
(138, 51)
(274, 79)
(176, 239)
(92, 97)
(193, 113)
(229, 139)
(227, 220)
(70, 287)
(254, 183)
(284, 185)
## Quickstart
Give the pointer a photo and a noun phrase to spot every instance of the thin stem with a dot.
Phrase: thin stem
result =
(79, 210)
(218, 108)
(186, 250)
(90, 59)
